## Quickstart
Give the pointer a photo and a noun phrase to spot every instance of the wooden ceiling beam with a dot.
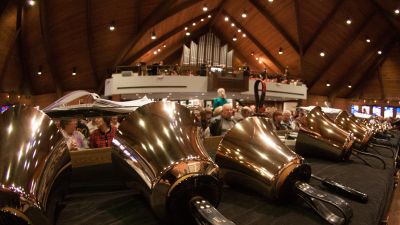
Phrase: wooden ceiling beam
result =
(388, 17)
(89, 40)
(26, 83)
(357, 66)
(340, 51)
(257, 43)
(382, 87)
(372, 68)
(163, 11)
(267, 15)
(220, 10)
(8, 57)
(298, 27)
(46, 43)
(324, 23)
(161, 39)
(3, 7)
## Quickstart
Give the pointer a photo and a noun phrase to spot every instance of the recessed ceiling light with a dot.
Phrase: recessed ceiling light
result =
(112, 26)
(164, 46)
(322, 54)
(232, 24)
(379, 52)
(259, 61)
(159, 50)
(239, 30)
(252, 53)
(234, 38)
(348, 21)
(368, 40)
(202, 20)
(349, 86)
(194, 24)
(155, 52)
(328, 84)
(280, 52)
(31, 2)
(271, 0)
(39, 70)
(187, 33)
(244, 35)
(397, 11)
(153, 35)
(74, 71)
(257, 58)
(226, 18)
(209, 16)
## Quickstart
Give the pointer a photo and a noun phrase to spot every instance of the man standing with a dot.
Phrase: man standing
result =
(223, 123)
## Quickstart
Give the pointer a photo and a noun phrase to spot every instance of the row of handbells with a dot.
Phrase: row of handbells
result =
(157, 145)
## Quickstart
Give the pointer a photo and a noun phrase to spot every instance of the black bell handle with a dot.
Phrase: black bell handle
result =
(318, 199)
(341, 189)
(382, 147)
(206, 214)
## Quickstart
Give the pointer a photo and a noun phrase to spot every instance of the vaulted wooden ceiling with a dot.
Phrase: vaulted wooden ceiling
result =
(55, 37)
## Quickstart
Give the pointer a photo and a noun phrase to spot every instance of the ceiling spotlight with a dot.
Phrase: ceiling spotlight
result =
(186, 28)
(74, 71)
(239, 30)
(368, 40)
(348, 21)
(374, 101)
(226, 19)
(322, 53)
(155, 52)
(328, 84)
(234, 38)
(112, 26)
(349, 86)
(252, 53)
(244, 35)
(280, 52)
(259, 61)
(153, 35)
(202, 20)
(39, 70)
(164, 46)
(194, 24)
(159, 50)
(187, 33)
(232, 24)
(257, 58)
(209, 16)
(205, 8)
(397, 11)
(244, 14)
(31, 2)
(379, 52)
(270, 0)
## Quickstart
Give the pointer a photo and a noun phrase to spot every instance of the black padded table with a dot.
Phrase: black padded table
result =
(98, 196)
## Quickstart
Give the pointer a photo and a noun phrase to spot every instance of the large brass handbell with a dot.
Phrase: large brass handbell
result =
(361, 134)
(33, 162)
(158, 145)
(319, 136)
(252, 156)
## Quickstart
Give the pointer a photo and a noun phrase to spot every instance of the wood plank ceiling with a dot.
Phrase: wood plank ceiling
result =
(59, 37)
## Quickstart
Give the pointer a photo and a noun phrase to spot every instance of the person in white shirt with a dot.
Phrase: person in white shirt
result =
(75, 139)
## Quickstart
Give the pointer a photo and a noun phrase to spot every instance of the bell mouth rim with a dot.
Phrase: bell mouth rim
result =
(285, 172)
(17, 213)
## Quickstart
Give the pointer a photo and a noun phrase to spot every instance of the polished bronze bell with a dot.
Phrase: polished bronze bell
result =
(320, 136)
(158, 145)
(251, 155)
(361, 134)
(33, 159)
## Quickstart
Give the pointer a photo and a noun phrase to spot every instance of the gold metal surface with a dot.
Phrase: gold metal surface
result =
(320, 136)
(252, 155)
(32, 154)
(159, 143)
(361, 134)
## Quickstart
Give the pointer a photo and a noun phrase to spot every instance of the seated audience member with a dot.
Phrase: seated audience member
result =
(286, 120)
(74, 138)
(223, 123)
(203, 129)
(83, 128)
(221, 100)
(91, 125)
(276, 120)
(102, 137)
(114, 122)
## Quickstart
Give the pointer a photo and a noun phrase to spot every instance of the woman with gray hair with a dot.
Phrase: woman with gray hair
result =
(220, 101)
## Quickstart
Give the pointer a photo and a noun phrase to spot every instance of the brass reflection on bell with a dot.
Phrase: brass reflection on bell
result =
(158, 144)
(33, 154)
(361, 134)
(319, 136)
(252, 156)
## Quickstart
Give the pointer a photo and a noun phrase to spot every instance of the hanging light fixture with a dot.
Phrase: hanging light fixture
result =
(112, 26)
(280, 52)
(244, 14)
(39, 70)
(328, 84)
(153, 35)
(205, 8)
(74, 71)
